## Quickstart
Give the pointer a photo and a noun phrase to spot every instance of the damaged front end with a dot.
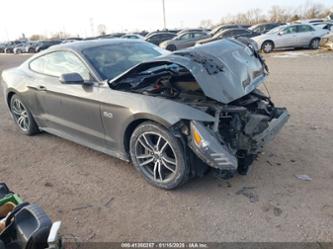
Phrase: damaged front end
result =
(220, 79)
(239, 132)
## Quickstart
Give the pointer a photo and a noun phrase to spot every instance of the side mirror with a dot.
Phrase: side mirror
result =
(281, 33)
(71, 78)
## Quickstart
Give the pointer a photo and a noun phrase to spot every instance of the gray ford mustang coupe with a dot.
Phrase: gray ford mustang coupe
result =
(172, 115)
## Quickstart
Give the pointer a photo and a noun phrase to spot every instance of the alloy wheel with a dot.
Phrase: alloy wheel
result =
(267, 47)
(156, 156)
(20, 114)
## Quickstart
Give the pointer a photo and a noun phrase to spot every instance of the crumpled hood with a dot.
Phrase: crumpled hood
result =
(226, 70)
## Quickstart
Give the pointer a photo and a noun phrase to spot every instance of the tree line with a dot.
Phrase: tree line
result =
(275, 14)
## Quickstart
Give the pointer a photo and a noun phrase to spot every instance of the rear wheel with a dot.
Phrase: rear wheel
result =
(22, 117)
(267, 46)
(158, 156)
(315, 43)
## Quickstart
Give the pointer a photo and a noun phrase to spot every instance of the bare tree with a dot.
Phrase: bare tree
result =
(37, 37)
(278, 14)
(314, 11)
(59, 35)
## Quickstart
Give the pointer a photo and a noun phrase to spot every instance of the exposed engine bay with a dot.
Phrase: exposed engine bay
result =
(241, 126)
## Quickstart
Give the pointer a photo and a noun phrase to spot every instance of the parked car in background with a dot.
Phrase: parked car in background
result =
(309, 21)
(184, 40)
(31, 47)
(11, 45)
(324, 25)
(72, 39)
(158, 37)
(226, 26)
(193, 30)
(2, 47)
(235, 32)
(108, 36)
(46, 44)
(133, 36)
(20, 48)
(263, 28)
(290, 36)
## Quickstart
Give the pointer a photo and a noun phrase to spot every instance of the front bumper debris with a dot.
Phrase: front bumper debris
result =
(218, 155)
(272, 130)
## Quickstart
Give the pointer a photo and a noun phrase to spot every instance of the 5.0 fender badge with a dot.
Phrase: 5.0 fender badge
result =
(108, 114)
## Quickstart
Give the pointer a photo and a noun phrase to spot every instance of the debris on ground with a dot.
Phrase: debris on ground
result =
(82, 207)
(108, 202)
(277, 211)
(268, 162)
(249, 193)
(48, 184)
(303, 177)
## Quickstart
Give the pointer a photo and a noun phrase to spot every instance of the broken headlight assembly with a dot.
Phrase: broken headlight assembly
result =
(206, 146)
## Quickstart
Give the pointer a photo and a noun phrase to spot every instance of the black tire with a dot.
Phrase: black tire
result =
(315, 43)
(31, 50)
(22, 117)
(171, 48)
(165, 175)
(267, 47)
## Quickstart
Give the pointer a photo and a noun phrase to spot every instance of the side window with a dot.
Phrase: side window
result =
(290, 30)
(305, 28)
(57, 63)
(198, 35)
(227, 34)
(186, 36)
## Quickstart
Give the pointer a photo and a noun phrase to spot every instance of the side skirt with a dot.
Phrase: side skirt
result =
(85, 143)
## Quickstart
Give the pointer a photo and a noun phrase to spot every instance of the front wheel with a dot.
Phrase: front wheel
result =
(158, 156)
(171, 48)
(23, 117)
(267, 47)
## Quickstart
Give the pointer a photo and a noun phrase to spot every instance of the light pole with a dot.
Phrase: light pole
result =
(164, 19)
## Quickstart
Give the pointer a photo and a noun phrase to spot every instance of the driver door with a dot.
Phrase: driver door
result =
(68, 110)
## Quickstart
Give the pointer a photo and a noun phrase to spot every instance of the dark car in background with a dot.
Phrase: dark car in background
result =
(42, 45)
(158, 37)
(226, 26)
(167, 113)
(184, 40)
(264, 27)
(2, 47)
(193, 30)
(31, 47)
(235, 32)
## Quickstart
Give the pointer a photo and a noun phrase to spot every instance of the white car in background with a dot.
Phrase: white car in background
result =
(290, 36)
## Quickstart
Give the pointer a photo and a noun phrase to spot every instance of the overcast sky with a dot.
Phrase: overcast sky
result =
(83, 17)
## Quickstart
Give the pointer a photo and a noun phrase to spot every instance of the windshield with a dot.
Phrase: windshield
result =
(114, 59)
(275, 30)
(253, 27)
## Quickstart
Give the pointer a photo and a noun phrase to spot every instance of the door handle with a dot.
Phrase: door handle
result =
(41, 88)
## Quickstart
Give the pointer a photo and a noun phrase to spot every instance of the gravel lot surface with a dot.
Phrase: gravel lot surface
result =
(100, 198)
